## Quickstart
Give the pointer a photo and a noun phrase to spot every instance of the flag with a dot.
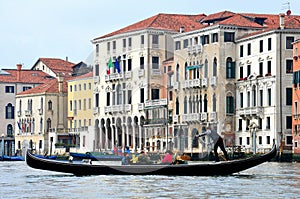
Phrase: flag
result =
(117, 65)
(109, 65)
(20, 129)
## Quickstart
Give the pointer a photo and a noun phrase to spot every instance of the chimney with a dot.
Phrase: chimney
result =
(60, 80)
(181, 30)
(19, 68)
(67, 59)
(281, 21)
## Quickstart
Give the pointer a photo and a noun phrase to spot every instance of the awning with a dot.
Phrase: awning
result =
(194, 67)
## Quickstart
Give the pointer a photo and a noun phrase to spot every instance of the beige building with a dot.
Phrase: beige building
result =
(80, 111)
(41, 110)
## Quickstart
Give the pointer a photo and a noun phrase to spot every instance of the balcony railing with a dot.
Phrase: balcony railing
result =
(140, 106)
(176, 86)
(213, 81)
(175, 118)
(157, 102)
(117, 108)
(191, 117)
(28, 112)
(213, 116)
(249, 111)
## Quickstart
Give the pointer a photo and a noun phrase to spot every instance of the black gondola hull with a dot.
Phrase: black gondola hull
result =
(192, 169)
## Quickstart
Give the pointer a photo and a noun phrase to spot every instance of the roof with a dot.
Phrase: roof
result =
(171, 22)
(49, 86)
(217, 16)
(26, 76)
(57, 65)
(241, 21)
(84, 76)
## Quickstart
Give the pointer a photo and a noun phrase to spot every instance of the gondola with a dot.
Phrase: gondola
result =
(11, 158)
(190, 169)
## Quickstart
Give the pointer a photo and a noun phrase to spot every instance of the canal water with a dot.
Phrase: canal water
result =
(269, 180)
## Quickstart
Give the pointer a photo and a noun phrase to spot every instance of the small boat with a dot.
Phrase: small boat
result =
(11, 158)
(190, 169)
(51, 157)
(95, 156)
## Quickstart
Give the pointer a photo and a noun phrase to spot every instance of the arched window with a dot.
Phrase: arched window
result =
(9, 111)
(177, 106)
(205, 103)
(177, 73)
(186, 73)
(229, 104)
(190, 105)
(206, 68)
(49, 105)
(119, 94)
(215, 67)
(42, 103)
(214, 103)
(185, 105)
(230, 68)
(48, 127)
(9, 131)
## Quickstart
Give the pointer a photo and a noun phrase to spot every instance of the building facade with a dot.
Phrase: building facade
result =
(80, 111)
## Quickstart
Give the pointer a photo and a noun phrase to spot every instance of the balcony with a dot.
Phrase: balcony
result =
(128, 75)
(96, 110)
(140, 106)
(203, 117)
(250, 111)
(204, 82)
(193, 83)
(176, 86)
(28, 113)
(118, 108)
(191, 117)
(40, 110)
(114, 77)
(213, 81)
(19, 113)
(155, 72)
(194, 49)
(141, 72)
(175, 118)
(213, 116)
(96, 79)
(156, 103)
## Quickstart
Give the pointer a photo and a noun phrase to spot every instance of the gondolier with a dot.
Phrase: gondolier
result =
(217, 140)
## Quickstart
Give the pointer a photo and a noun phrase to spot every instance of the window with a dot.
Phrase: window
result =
(124, 43)
(248, 70)
(268, 139)
(215, 67)
(50, 105)
(248, 140)
(154, 93)
(259, 123)
(205, 39)
(249, 49)
(129, 96)
(84, 86)
(142, 62)
(9, 111)
(248, 99)
(289, 140)
(9, 89)
(215, 37)
(261, 98)
(129, 61)
(242, 100)
(228, 36)
(240, 140)
(241, 50)
(79, 87)
(71, 88)
(48, 125)
(97, 49)
(90, 86)
(71, 105)
(261, 68)
(288, 122)
(241, 72)
(90, 103)
(177, 45)
(108, 46)
(261, 46)
(97, 100)
(9, 130)
(229, 105)
(142, 39)
(25, 88)
(154, 39)
(289, 66)
(259, 139)
(269, 97)
(129, 42)
(240, 128)
(114, 45)
(97, 70)
(289, 96)
(155, 62)
(84, 104)
(269, 44)
(230, 68)
(289, 42)
(142, 98)
(268, 123)
(185, 43)
(269, 67)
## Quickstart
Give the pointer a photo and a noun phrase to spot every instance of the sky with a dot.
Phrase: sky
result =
(31, 29)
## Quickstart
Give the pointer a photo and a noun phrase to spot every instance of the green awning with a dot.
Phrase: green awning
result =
(194, 67)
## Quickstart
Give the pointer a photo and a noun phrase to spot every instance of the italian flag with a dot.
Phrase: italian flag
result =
(109, 65)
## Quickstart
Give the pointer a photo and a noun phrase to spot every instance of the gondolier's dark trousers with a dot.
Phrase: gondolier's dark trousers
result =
(220, 144)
